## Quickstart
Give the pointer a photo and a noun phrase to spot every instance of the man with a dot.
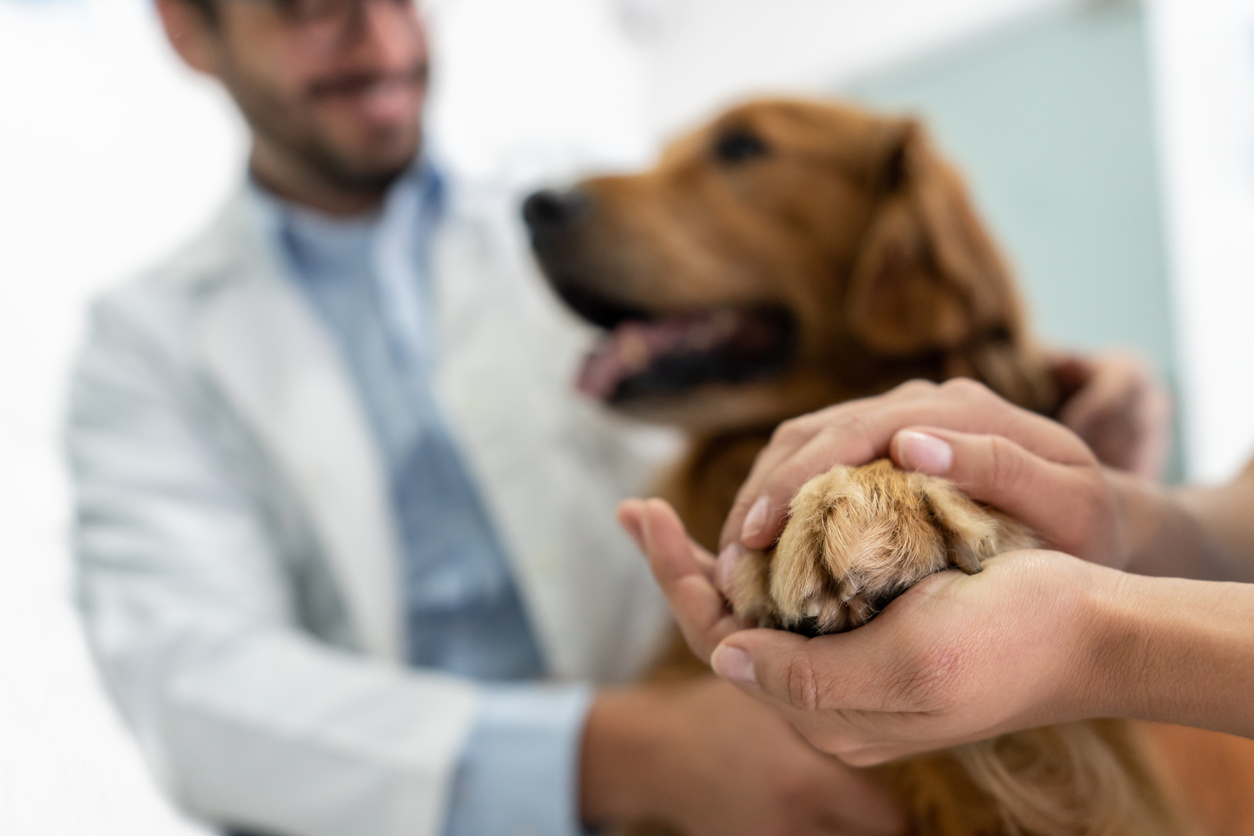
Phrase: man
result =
(346, 549)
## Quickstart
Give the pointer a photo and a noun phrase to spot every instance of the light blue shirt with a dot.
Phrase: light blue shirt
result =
(368, 280)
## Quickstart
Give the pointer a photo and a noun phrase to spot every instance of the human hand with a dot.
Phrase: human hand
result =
(1118, 407)
(957, 658)
(708, 760)
(1032, 468)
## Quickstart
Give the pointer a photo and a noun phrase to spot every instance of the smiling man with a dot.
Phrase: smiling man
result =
(345, 538)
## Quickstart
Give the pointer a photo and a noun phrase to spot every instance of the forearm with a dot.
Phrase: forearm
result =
(1225, 517)
(620, 758)
(1175, 651)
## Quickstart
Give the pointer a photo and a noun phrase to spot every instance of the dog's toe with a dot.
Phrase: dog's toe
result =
(859, 537)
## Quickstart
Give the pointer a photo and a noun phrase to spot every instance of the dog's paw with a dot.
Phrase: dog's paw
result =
(857, 537)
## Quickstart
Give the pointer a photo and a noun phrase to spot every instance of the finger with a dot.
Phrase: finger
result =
(855, 436)
(1071, 373)
(1112, 389)
(665, 535)
(1124, 415)
(755, 519)
(786, 440)
(1149, 458)
(829, 673)
(685, 572)
(844, 442)
(631, 519)
(1054, 500)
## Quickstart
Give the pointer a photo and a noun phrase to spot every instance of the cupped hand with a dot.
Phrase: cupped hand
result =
(955, 659)
(1031, 467)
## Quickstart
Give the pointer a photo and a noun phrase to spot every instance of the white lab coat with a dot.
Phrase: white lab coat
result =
(237, 557)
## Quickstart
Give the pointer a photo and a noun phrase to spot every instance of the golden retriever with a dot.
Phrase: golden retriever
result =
(788, 256)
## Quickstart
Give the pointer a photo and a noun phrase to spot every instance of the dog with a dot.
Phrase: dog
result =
(787, 256)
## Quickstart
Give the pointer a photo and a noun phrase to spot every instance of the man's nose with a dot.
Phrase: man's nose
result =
(393, 32)
(550, 210)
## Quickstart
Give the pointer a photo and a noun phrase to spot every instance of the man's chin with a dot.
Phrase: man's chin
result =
(369, 180)
(370, 163)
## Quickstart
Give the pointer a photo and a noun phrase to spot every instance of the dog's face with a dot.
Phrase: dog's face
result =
(779, 259)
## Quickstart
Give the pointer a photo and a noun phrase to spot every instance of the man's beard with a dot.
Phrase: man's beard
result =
(335, 170)
(272, 119)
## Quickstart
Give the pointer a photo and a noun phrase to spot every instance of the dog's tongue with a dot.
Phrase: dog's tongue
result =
(634, 346)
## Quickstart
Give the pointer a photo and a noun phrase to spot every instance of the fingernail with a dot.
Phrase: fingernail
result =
(756, 520)
(728, 559)
(924, 453)
(734, 665)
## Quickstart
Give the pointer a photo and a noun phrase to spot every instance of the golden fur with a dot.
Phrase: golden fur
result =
(851, 224)
(858, 537)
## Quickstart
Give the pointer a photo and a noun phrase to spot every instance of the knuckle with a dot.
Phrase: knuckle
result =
(791, 430)
(1005, 465)
(965, 389)
(741, 506)
(1093, 507)
(802, 685)
(914, 388)
(849, 425)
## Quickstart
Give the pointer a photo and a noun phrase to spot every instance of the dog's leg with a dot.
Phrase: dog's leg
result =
(857, 537)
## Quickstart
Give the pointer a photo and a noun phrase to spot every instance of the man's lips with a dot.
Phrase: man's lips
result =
(377, 98)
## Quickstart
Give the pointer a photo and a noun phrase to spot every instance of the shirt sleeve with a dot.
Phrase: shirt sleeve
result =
(519, 771)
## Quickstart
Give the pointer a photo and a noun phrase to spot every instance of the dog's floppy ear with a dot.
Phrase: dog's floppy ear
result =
(927, 275)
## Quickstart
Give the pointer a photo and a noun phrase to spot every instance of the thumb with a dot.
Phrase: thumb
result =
(1053, 499)
(802, 674)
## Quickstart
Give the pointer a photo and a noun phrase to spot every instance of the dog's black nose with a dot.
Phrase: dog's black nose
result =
(548, 209)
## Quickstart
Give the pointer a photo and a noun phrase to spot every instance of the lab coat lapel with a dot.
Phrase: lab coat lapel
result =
(277, 366)
(503, 372)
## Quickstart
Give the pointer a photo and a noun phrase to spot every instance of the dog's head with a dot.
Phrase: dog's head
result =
(786, 256)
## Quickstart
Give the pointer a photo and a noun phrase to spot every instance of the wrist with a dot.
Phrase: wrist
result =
(1113, 647)
(1154, 533)
(1173, 651)
(1085, 616)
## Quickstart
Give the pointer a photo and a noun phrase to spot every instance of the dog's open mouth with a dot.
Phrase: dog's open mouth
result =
(651, 355)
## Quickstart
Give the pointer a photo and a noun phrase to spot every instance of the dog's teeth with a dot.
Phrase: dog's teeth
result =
(814, 608)
(846, 589)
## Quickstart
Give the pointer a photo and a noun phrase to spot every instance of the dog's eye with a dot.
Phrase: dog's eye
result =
(738, 146)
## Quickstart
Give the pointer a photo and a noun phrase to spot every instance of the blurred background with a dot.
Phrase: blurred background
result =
(1110, 146)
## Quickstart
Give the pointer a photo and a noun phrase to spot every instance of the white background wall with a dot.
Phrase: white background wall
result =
(110, 154)
(1204, 63)
(707, 52)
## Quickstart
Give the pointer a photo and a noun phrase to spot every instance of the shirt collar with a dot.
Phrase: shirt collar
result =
(308, 237)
